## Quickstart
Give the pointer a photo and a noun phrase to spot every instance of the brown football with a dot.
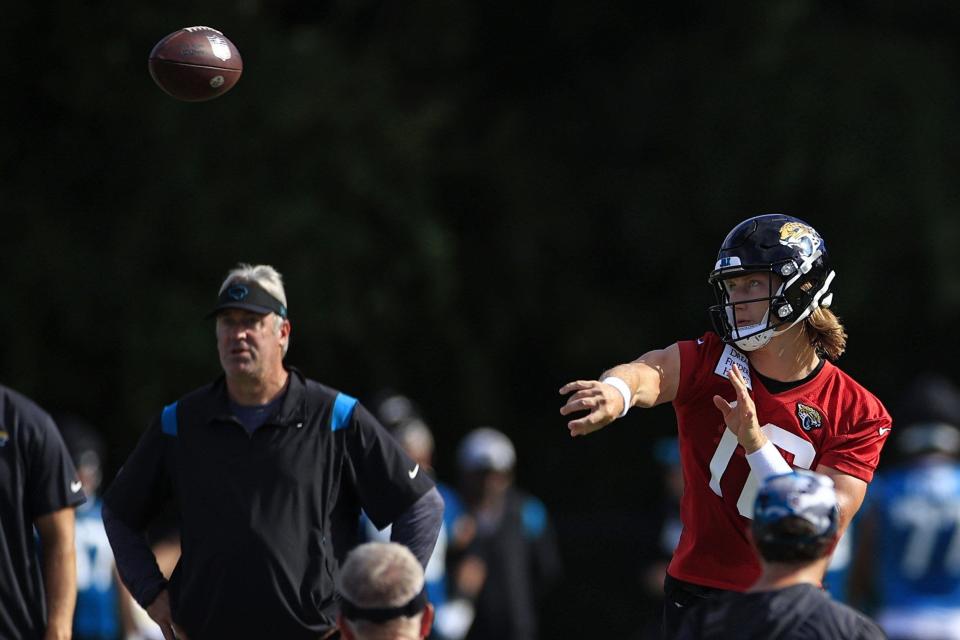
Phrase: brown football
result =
(195, 64)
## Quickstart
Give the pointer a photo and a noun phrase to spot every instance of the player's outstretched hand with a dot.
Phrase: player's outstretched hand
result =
(602, 402)
(740, 416)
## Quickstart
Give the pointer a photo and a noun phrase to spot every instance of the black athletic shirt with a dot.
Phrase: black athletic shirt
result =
(37, 477)
(266, 518)
(799, 612)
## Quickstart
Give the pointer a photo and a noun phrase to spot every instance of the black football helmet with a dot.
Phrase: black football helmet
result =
(795, 516)
(782, 245)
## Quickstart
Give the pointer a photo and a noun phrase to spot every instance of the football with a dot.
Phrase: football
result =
(195, 64)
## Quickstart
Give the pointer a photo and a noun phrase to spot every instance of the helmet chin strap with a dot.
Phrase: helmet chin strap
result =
(757, 335)
(764, 334)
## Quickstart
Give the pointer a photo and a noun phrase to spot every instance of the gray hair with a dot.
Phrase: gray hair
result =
(381, 575)
(265, 276)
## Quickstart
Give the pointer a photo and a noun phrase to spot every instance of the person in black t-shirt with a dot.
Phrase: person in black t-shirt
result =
(39, 489)
(267, 472)
(794, 529)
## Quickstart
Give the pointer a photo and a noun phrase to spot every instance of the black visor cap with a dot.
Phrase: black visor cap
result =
(249, 296)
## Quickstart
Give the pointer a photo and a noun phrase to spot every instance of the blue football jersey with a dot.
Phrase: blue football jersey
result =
(97, 614)
(918, 535)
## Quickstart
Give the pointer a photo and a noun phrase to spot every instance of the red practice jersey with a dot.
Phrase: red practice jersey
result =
(829, 420)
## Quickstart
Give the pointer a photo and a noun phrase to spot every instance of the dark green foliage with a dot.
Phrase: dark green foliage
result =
(471, 202)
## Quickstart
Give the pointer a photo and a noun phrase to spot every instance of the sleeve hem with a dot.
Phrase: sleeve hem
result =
(48, 508)
(845, 466)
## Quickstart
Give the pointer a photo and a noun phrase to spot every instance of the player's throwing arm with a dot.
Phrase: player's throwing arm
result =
(650, 380)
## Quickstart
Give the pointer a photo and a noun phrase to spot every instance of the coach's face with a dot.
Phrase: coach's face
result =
(250, 344)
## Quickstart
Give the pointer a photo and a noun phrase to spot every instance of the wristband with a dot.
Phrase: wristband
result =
(624, 390)
(767, 461)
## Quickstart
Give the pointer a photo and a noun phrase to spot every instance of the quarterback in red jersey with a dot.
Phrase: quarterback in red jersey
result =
(774, 337)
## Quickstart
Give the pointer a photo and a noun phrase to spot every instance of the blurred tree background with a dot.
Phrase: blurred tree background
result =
(473, 204)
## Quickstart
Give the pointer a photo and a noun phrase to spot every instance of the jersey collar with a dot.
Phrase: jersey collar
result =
(292, 412)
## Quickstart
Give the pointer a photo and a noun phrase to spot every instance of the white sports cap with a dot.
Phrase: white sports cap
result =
(486, 449)
(930, 436)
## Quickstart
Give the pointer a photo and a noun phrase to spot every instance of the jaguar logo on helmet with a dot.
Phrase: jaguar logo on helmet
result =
(810, 418)
(801, 237)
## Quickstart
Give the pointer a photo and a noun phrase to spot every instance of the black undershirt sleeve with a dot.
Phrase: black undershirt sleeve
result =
(136, 563)
(135, 497)
(418, 527)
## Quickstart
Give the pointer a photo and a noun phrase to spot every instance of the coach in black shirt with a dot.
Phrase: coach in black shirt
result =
(268, 471)
(794, 529)
(39, 488)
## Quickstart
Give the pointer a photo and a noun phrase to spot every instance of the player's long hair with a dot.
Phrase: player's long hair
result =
(826, 333)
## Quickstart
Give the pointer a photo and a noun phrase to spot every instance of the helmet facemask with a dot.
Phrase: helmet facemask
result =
(724, 313)
(804, 286)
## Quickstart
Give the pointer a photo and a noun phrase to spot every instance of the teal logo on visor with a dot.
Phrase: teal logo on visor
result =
(238, 292)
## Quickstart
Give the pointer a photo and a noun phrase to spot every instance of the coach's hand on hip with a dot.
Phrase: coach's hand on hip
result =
(159, 611)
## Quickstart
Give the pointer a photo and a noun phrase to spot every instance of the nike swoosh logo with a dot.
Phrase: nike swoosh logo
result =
(413, 472)
(678, 605)
(883, 430)
(699, 341)
(76, 486)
